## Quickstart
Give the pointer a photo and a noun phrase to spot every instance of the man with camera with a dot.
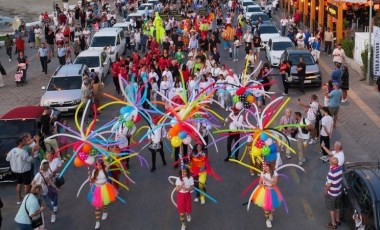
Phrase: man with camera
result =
(302, 135)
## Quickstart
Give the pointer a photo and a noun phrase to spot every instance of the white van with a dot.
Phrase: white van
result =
(111, 38)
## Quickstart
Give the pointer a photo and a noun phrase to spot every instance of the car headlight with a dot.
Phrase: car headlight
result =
(76, 102)
(46, 103)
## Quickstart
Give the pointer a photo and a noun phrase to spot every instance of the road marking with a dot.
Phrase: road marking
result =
(307, 208)
(357, 100)
(295, 176)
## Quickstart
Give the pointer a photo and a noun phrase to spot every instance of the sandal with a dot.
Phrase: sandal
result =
(330, 225)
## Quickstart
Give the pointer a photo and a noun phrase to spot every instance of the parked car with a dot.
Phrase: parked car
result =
(246, 3)
(267, 31)
(313, 73)
(145, 6)
(13, 124)
(250, 9)
(125, 25)
(64, 89)
(361, 193)
(113, 38)
(276, 47)
(96, 60)
(255, 17)
(133, 16)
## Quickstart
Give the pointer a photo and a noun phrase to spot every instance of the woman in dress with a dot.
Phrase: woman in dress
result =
(102, 192)
(345, 84)
(287, 119)
(184, 185)
(267, 195)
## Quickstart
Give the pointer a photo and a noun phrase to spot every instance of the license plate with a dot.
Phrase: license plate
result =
(63, 109)
(307, 81)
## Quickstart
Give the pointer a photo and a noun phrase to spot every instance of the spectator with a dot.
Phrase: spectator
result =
(335, 97)
(345, 83)
(30, 209)
(337, 152)
(329, 38)
(21, 165)
(326, 132)
(302, 136)
(333, 192)
(339, 55)
(8, 42)
(301, 73)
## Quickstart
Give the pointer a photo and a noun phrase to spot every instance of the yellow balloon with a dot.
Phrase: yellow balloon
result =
(250, 98)
(176, 141)
(256, 152)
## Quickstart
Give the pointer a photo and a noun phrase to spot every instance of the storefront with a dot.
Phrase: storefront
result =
(343, 17)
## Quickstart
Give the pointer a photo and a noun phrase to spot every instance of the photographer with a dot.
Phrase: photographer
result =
(303, 135)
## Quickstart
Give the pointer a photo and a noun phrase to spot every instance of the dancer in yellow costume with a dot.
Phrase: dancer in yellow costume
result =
(158, 25)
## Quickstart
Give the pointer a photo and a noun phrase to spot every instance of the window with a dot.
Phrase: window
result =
(103, 41)
(89, 61)
(282, 45)
(295, 59)
(65, 83)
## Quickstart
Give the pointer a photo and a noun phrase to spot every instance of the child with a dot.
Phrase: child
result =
(153, 92)
(18, 76)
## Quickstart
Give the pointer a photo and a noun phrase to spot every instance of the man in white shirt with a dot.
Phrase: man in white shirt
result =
(326, 132)
(302, 137)
(284, 23)
(300, 37)
(156, 135)
(21, 165)
(248, 39)
(338, 54)
(312, 110)
(337, 152)
(235, 120)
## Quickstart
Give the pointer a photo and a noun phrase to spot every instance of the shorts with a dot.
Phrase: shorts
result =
(334, 111)
(312, 123)
(333, 203)
(256, 49)
(23, 178)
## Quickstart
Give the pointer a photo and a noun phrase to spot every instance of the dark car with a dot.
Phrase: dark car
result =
(361, 186)
(313, 73)
(13, 125)
(255, 17)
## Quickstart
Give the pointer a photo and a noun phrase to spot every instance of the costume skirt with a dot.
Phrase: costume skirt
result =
(184, 202)
(101, 195)
(267, 198)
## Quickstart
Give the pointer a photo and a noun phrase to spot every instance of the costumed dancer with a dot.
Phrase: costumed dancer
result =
(184, 185)
(156, 136)
(158, 25)
(200, 167)
(267, 195)
(235, 120)
(102, 193)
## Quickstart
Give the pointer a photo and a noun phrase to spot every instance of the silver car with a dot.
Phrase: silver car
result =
(64, 89)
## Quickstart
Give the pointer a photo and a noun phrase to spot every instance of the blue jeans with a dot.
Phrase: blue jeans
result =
(54, 198)
(226, 44)
(48, 202)
(24, 226)
(236, 52)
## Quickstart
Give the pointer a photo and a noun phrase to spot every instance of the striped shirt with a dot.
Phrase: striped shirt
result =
(334, 177)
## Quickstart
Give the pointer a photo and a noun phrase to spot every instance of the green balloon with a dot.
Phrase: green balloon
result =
(129, 124)
(235, 99)
(265, 151)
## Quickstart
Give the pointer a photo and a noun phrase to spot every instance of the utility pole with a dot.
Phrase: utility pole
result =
(368, 77)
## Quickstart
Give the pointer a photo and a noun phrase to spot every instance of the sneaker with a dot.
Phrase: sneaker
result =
(203, 201)
(97, 225)
(300, 163)
(270, 217)
(311, 142)
(10, 60)
(196, 200)
(288, 156)
(284, 94)
(183, 227)
(269, 223)
(188, 217)
(324, 159)
(104, 216)
(55, 209)
(52, 218)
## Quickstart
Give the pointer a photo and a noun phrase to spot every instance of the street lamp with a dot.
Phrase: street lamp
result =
(368, 77)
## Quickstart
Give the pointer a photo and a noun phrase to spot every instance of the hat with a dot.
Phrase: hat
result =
(43, 162)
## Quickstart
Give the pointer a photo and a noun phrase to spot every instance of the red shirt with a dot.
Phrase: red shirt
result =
(115, 69)
(20, 44)
(185, 74)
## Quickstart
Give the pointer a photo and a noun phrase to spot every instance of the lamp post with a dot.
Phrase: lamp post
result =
(368, 77)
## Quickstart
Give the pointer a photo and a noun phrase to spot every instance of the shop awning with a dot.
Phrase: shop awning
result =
(354, 1)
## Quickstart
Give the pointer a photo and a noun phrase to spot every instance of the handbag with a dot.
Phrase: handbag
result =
(58, 180)
(35, 222)
(51, 190)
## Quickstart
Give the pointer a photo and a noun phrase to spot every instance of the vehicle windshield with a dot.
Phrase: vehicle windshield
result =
(103, 41)
(16, 128)
(248, 3)
(268, 30)
(142, 7)
(295, 59)
(264, 17)
(254, 9)
(65, 83)
(90, 62)
(281, 45)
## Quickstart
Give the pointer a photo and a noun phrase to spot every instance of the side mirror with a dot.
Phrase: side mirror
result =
(43, 88)
(104, 63)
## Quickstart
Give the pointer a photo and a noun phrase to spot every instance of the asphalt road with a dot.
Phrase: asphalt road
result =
(148, 205)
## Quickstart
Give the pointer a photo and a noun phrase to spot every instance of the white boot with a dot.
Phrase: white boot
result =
(97, 225)
(104, 216)
(183, 227)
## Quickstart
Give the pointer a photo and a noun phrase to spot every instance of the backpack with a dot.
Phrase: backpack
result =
(304, 129)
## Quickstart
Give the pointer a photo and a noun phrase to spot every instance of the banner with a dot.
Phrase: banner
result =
(376, 51)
